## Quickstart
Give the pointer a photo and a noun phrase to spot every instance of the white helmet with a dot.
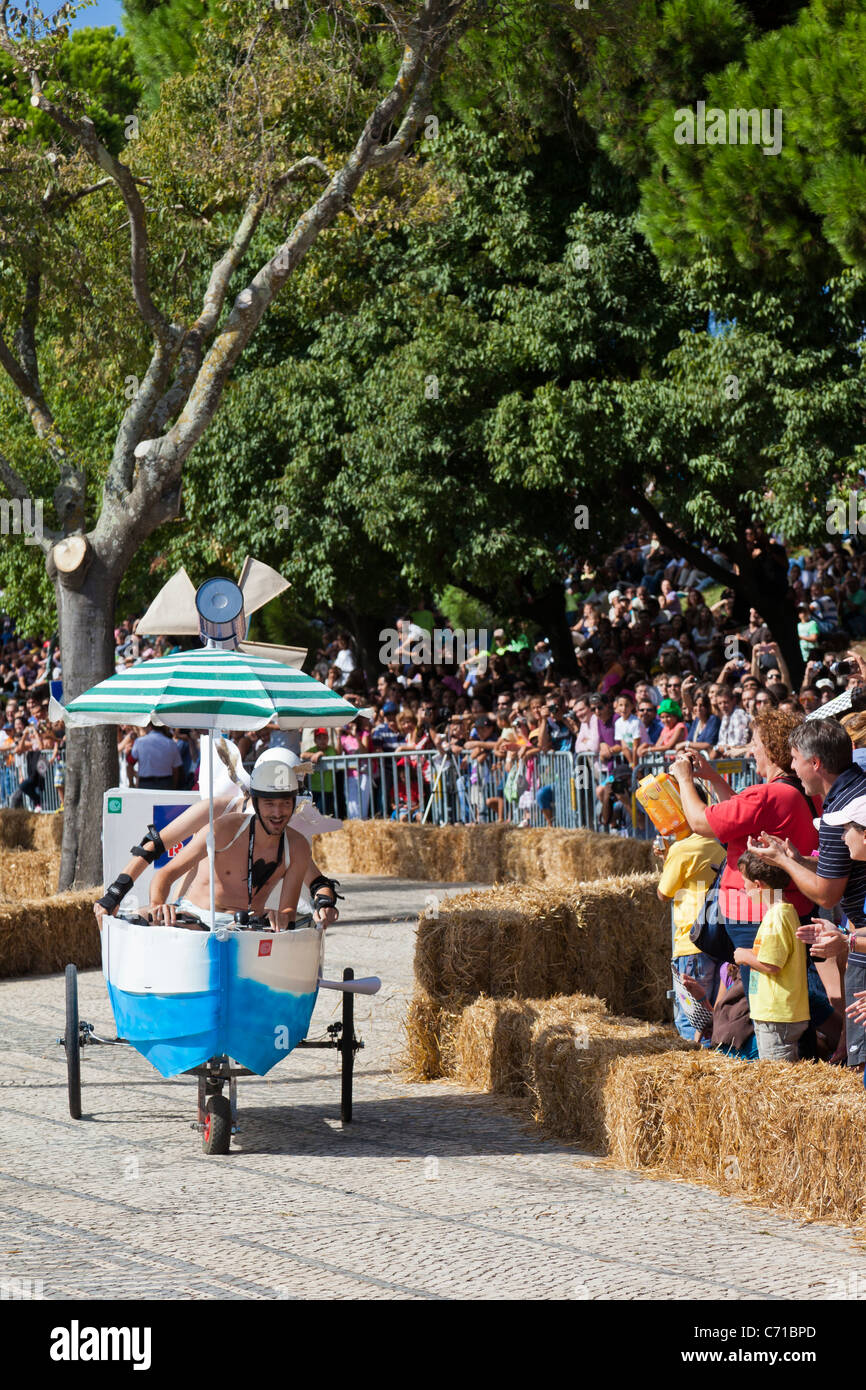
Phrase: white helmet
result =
(274, 774)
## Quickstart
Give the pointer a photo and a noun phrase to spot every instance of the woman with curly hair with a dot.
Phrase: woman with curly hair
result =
(777, 800)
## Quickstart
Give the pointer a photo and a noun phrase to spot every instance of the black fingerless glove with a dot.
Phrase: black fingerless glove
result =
(115, 893)
(321, 900)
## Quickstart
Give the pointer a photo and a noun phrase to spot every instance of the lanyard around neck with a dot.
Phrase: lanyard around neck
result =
(250, 863)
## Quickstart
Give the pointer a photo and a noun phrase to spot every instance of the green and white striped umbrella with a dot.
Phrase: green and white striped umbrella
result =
(209, 688)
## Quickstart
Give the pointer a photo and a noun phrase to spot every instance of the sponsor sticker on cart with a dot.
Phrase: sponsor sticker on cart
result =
(265, 948)
(163, 816)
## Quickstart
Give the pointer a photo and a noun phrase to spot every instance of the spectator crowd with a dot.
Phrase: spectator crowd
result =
(656, 668)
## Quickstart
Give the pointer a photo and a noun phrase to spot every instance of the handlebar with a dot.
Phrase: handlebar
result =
(248, 921)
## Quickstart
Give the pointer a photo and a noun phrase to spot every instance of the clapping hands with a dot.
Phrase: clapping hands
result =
(826, 942)
(772, 848)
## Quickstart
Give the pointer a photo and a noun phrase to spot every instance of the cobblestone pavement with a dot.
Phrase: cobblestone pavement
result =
(433, 1193)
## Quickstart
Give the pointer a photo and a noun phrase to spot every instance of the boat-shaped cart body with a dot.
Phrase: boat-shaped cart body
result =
(216, 1005)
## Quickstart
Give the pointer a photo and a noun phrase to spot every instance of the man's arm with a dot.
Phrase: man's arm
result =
(160, 885)
(323, 915)
(188, 859)
(827, 892)
(187, 823)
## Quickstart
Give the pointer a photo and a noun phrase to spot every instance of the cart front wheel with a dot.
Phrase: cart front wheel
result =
(347, 1051)
(216, 1136)
(72, 1043)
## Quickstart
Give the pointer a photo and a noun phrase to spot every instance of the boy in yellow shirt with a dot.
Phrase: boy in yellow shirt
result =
(778, 992)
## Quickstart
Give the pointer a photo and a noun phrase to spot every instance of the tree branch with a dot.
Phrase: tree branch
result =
(70, 494)
(428, 38)
(215, 296)
(55, 199)
(18, 489)
(83, 132)
(705, 563)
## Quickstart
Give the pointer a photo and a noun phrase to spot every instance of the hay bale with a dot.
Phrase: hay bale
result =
(789, 1136)
(572, 1057)
(786, 1136)
(30, 829)
(610, 939)
(41, 936)
(28, 873)
(490, 1043)
(476, 853)
(428, 1028)
(488, 1046)
(530, 856)
(555, 1052)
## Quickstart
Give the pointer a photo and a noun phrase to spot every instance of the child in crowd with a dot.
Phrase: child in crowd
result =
(778, 991)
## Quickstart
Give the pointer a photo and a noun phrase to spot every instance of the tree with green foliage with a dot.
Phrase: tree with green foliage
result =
(98, 65)
(798, 212)
(162, 35)
(291, 118)
(492, 371)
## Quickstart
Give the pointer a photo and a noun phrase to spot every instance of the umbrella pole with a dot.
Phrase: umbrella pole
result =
(210, 836)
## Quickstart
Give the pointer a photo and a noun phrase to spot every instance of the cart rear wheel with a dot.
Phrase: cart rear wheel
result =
(72, 1043)
(216, 1136)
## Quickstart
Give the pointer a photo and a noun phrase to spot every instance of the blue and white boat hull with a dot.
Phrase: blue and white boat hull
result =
(180, 997)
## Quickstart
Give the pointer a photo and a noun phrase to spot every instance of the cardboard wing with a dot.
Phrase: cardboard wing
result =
(173, 612)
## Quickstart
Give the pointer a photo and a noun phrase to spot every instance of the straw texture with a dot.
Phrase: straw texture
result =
(786, 1136)
(28, 873)
(30, 829)
(476, 853)
(43, 935)
(609, 938)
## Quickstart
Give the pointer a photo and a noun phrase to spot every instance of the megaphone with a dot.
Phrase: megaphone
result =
(221, 618)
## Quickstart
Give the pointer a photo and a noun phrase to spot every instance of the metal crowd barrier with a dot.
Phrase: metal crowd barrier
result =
(44, 781)
(449, 788)
(432, 788)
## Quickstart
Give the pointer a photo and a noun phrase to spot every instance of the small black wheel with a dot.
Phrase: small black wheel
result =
(72, 1042)
(216, 1136)
(347, 1051)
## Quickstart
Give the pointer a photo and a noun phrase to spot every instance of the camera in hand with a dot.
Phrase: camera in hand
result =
(844, 668)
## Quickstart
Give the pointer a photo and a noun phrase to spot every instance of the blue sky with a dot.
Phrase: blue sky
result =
(95, 16)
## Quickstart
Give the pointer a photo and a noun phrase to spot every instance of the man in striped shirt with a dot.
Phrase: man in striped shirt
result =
(822, 757)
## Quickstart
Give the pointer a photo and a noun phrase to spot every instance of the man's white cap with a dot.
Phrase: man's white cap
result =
(855, 811)
(284, 756)
(275, 773)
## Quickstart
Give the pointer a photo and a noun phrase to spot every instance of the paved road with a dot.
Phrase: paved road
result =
(433, 1194)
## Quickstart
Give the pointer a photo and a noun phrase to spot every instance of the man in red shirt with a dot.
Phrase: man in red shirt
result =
(777, 800)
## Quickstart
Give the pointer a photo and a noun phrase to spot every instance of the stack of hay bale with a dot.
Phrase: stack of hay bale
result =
(40, 930)
(557, 996)
(476, 853)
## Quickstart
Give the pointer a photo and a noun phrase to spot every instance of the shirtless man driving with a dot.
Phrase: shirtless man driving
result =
(252, 854)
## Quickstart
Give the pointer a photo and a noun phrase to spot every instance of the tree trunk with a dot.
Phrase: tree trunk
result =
(548, 609)
(86, 622)
(780, 619)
